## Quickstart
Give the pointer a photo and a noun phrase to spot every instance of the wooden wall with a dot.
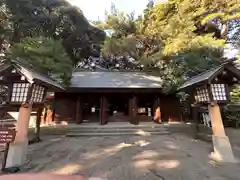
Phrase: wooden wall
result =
(66, 108)
(170, 109)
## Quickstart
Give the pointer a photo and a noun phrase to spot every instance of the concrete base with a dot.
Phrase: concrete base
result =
(17, 154)
(222, 149)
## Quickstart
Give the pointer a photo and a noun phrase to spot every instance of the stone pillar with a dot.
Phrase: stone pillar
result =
(18, 149)
(221, 143)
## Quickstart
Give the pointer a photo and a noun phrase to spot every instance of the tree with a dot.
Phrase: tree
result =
(189, 47)
(5, 27)
(126, 44)
(166, 40)
(50, 35)
(45, 54)
(48, 56)
(57, 19)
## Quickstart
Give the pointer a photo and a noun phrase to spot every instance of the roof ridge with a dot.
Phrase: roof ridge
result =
(107, 70)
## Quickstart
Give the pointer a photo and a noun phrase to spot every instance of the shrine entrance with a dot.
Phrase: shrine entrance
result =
(90, 108)
(118, 107)
(146, 109)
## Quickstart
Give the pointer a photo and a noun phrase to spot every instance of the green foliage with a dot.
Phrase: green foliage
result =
(52, 35)
(235, 116)
(173, 39)
(123, 46)
(232, 113)
(57, 19)
(46, 54)
(235, 94)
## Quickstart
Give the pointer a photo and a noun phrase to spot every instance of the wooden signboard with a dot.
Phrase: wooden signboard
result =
(6, 137)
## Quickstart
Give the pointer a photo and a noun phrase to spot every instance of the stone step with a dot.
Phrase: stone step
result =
(91, 134)
(77, 127)
(110, 130)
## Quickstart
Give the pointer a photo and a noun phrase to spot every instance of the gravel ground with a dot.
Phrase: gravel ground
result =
(165, 157)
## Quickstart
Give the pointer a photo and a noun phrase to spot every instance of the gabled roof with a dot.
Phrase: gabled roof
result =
(32, 75)
(208, 75)
(201, 77)
(114, 79)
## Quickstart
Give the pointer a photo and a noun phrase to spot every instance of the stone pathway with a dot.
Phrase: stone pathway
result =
(165, 157)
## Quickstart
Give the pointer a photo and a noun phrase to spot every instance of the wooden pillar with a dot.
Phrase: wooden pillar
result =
(38, 126)
(53, 110)
(133, 110)
(44, 115)
(216, 120)
(157, 111)
(79, 114)
(49, 116)
(103, 110)
(23, 123)
(130, 112)
(18, 149)
(221, 143)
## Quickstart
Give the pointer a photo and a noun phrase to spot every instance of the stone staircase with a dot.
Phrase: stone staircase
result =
(117, 129)
(118, 117)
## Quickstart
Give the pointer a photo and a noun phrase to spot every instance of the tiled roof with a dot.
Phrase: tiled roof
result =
(201, 77)
(116, 79)
(211, 73)
(33, 75)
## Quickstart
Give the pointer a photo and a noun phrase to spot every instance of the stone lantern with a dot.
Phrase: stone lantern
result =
(22, 87)
(211, 89)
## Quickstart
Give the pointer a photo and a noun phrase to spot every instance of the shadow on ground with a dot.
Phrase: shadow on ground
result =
(167, 157)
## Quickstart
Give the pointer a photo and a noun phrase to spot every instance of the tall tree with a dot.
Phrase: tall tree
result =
(189, 47)
(57, 19)
(126, 44)
(176, 39)
(45, 54)
(5, 27)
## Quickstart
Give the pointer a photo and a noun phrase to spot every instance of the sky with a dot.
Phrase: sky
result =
(95, 9)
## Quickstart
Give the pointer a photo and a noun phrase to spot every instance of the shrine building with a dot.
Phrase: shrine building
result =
(108, 96)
